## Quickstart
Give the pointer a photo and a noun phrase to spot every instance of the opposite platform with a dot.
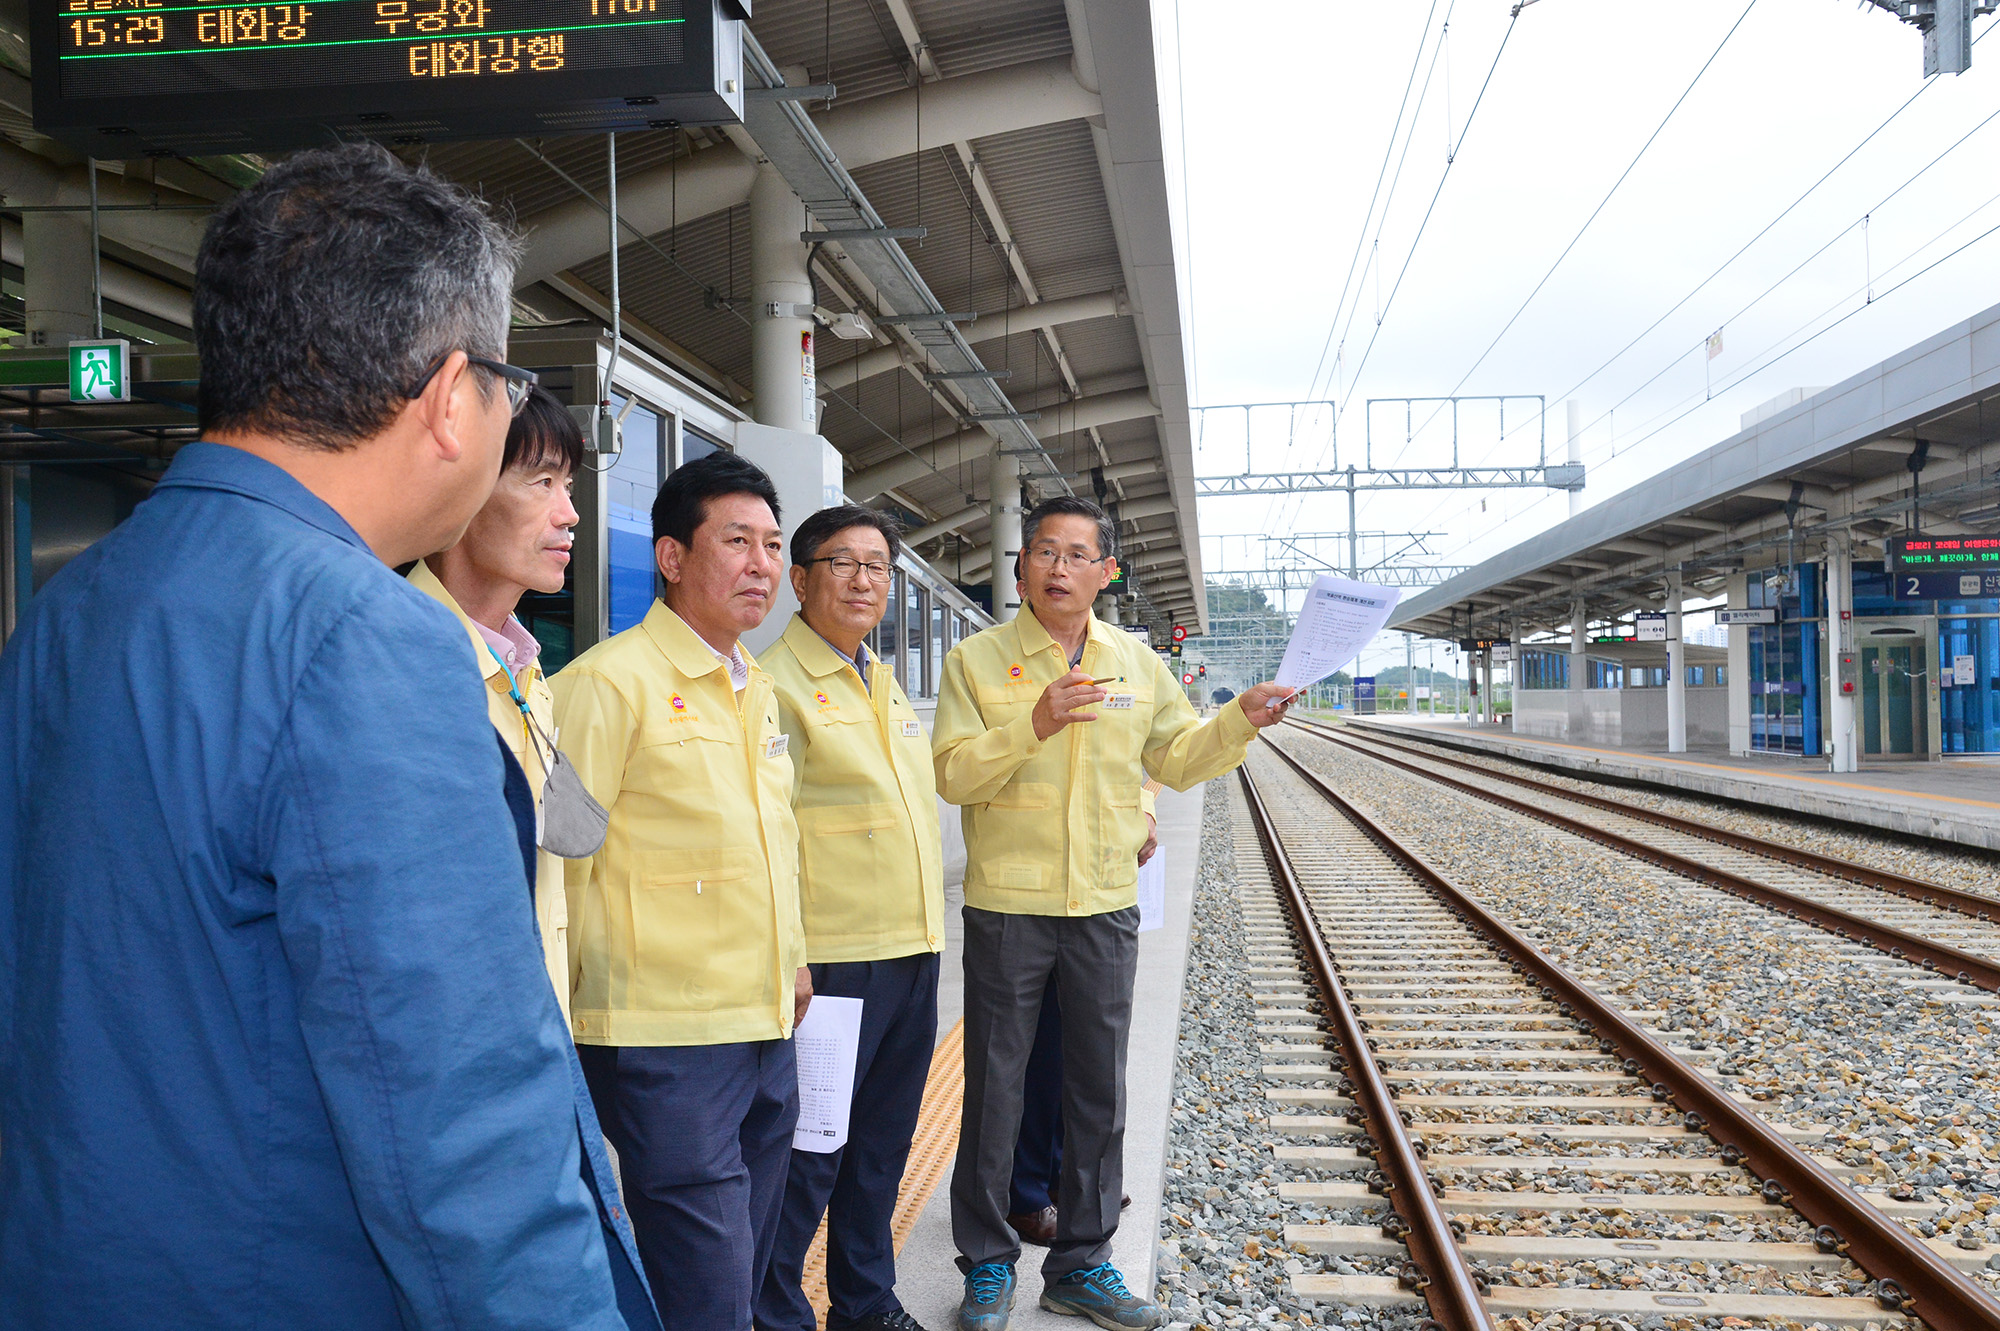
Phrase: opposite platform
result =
(1956, 801)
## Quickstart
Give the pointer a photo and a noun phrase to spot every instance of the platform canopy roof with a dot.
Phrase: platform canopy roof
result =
(1838, 461)
(1025, 136)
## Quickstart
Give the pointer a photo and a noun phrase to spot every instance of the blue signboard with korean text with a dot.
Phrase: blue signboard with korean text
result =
(1954, 585)
(1364, 695)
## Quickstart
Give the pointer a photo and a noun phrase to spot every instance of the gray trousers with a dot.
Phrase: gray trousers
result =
(1008, 960)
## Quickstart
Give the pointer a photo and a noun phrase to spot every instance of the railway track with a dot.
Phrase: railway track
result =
(1588, 1166)
(1948, 930)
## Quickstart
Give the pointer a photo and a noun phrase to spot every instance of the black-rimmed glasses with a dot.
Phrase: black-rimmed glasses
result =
(1046, 556)
(846, 566)
(517, 380)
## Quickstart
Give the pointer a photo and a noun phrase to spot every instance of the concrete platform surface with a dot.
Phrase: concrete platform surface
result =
(1956, 800)
(927, 1277)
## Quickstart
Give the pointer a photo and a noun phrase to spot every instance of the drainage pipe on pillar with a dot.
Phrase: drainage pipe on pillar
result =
(1839, 638)
(781, 330)
(1575, 451)
(1579, 624)
(1006, 531)
(1677, 700)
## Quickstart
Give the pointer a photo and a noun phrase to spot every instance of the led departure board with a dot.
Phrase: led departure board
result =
(1943, 554)
(122, 78)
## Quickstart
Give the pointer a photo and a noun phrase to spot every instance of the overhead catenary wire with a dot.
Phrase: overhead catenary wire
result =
(1761, 232)
(1741, 250)
(1381, 174)
(1417, 240)
(1603, 203)
(1695, 401)
(1337, 333)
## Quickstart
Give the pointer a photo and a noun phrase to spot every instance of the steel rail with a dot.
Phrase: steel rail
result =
(1913, 1279)
(1967, 967)
(1983, 908)
(1446, 1282)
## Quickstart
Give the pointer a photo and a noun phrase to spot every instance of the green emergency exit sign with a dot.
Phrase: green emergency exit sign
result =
(100, 371)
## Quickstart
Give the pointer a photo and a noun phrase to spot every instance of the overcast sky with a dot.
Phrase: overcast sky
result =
(1290, 109)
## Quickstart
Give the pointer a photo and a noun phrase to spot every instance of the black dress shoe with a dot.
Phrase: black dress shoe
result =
(898, 1320)
(1125, 1201)
(1036, 1227)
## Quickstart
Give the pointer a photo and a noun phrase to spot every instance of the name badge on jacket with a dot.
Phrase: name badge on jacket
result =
(912, 729)
(776, 746)
(1119, 702)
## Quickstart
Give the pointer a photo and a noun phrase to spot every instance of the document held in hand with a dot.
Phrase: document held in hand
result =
(1337, 621)
(1153, 892)
(827, 1044)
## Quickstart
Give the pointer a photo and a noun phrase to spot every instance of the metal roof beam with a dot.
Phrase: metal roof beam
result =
(801, 154)
(878, 129)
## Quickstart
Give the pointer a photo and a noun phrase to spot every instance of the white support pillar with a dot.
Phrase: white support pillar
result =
(1738, 590)
(781, 343)
(1677, 697)
(1006, 527)
(56, 267)
(1579, 626)
(1840, 708)
(1486, 687)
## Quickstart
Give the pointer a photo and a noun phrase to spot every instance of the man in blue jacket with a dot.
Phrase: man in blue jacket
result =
(277, 1048)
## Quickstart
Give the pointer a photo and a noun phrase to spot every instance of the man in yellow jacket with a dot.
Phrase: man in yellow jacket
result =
(519, 543)
(687, 955)
(871, 869)
(1046, 727)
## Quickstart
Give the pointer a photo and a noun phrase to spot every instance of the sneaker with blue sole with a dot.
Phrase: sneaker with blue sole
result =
(1099, 1293)
(989, 1298)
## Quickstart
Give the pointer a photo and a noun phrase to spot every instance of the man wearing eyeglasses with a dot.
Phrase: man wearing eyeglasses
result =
(1046, 727)
(872, 883)
(280, 1049)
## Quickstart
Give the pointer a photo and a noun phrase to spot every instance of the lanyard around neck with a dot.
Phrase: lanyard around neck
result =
(513, 689)
(514, 692)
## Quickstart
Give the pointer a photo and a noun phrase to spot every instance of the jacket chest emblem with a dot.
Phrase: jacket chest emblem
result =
(680, 709)
(1014, 671)
(825, 703)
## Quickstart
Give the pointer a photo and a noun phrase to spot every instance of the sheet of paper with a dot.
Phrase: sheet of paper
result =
(1153, 892)
(1338, 619)
(827, 1044)
(1965, 669)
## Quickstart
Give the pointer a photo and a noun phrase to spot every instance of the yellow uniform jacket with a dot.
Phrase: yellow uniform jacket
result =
(684, 928)
(1054, 828)
(870, 855)
(551, 904)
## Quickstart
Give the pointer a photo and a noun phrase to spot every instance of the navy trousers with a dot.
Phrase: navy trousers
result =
(855, 1187)
(1038, 1152)
(704, 1135)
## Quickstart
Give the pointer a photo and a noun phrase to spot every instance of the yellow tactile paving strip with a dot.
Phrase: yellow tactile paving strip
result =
(931, 1150)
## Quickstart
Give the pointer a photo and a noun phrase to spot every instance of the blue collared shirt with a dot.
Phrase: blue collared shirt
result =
(860, 658)
(277, 1048)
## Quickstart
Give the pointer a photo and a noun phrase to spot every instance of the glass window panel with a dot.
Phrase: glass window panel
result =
(630, 485)
(934, 663)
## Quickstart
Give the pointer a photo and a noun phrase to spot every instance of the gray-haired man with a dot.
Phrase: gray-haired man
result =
(281, 1050)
